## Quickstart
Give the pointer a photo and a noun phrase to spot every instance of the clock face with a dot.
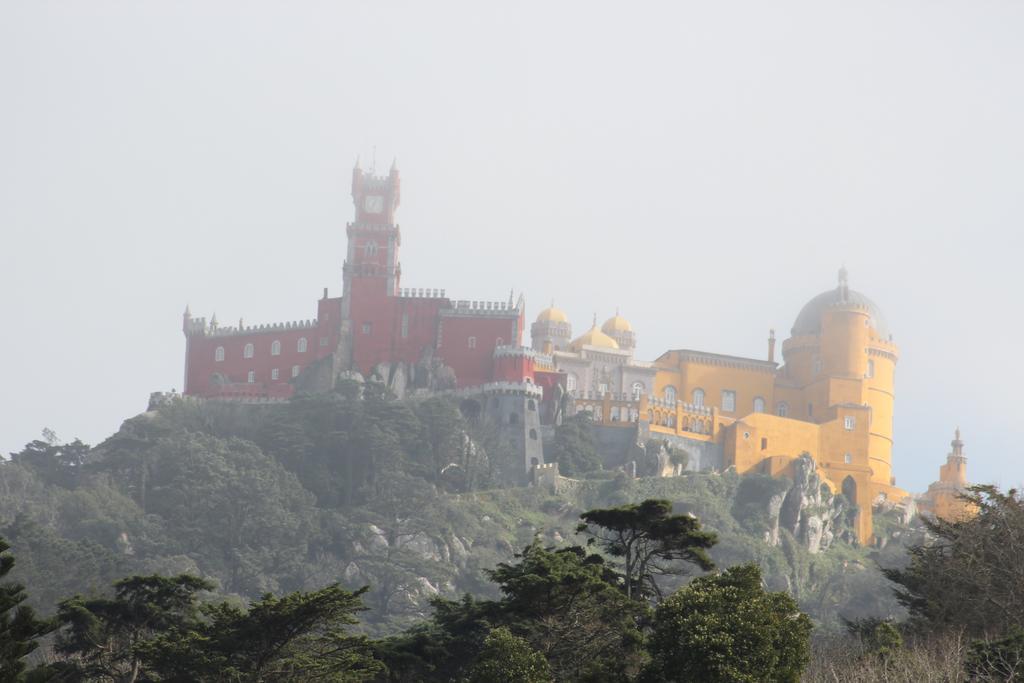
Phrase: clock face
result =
(373, 203)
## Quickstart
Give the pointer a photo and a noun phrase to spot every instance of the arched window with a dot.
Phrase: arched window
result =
(571, 381)
(670, 395)
(302, 345)
(249, 351)
(638, 388)
(848, 458)
(533, 434)
(252, 376)
(218, 355)
(371, 248)
(817, 366)
(871, 369)
(782, 409)
(274, 374)
(758, 405)
(275, 348)
(698, 398)
(499, 341)
(531, 404)
(472, 342)
(295, 371)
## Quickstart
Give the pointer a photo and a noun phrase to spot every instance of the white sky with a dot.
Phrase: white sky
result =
(705, 166)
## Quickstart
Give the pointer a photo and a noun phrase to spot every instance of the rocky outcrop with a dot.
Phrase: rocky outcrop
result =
(809, 511)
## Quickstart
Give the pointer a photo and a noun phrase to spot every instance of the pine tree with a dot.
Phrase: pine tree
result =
(19, 627)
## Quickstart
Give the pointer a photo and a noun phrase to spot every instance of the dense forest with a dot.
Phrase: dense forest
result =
(351, 536)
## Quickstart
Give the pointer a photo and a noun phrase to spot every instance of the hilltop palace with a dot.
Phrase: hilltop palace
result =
(832, 397)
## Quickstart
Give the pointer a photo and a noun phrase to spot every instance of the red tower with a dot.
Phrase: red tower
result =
(375, 321)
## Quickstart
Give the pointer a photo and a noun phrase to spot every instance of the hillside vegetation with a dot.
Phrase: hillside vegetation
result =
(397, 495)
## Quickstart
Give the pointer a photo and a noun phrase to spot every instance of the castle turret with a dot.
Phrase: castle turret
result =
(943, 497)
(619, 329)
(551, 331)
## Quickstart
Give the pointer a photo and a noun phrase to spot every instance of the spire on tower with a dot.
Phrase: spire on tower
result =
(356, 167)
(844, 285)
(188, 312)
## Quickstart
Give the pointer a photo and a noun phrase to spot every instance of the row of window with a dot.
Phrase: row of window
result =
(275, 348)
(275, 374)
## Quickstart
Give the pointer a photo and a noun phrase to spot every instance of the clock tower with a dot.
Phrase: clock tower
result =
(371, 264)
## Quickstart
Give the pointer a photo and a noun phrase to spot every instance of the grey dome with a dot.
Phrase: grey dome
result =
(809, 319)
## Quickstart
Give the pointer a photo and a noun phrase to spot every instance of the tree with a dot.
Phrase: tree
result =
(568, 605)
(650, 541)
(103, 637)
(506, 658)
(726, 627)
(297, 637)
(1000, 659)
(19, 627)
(969, 574)
(573, 447)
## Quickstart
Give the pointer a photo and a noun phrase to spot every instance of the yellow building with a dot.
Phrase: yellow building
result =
(832, 398)
(943, 497)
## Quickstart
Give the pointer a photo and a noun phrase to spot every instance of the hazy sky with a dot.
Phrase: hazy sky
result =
(705, 166)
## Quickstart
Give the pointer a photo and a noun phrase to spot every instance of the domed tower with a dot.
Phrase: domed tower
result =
(595, 338)
(551, 331)
(841, 353)
(619, 329)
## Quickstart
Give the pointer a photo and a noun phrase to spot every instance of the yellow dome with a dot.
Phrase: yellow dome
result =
(616, 324)
(552, 315)
(594, 337)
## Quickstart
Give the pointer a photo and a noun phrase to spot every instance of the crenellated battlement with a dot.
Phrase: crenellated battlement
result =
(414, 293)
(483, 308)
(513, 388)
(509, 351)
(200, 327)
(363, 226)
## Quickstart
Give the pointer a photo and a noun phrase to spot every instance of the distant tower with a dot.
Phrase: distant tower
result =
(552, 331)
(514, 408)
(943, 496)
(619, 329)
(371, 264)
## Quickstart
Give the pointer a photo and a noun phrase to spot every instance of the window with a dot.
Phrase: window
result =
(638, 388)
(248, 351)
(782, 409)
(531, 404)
(849, 423)
(871, 369)
(274, 374)
(698, 398)
(602, 388)
(728, 401)
(810, 410)
(764, 443)
(275, 348)
(301, 347)
(295, 371)
(371, 249)
(405, 326)
(252, 376)
(533, 434)
(499, 341)
(817, 366)
(472, 342)
(571, 381)
(367, 328)
(848, 458)
(670, 395)
(323, 341)
(758, 405)
(218, 355)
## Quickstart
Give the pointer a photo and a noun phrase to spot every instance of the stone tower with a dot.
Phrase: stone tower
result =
(514, 409)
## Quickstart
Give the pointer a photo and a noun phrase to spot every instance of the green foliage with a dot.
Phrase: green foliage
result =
(969, 574)
(20, 630)
(506, 658)
(1000, 659)
(298, 637)
(650, 541)
(753, 498)
(726, 627)
(573, 447)
(102, 637)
